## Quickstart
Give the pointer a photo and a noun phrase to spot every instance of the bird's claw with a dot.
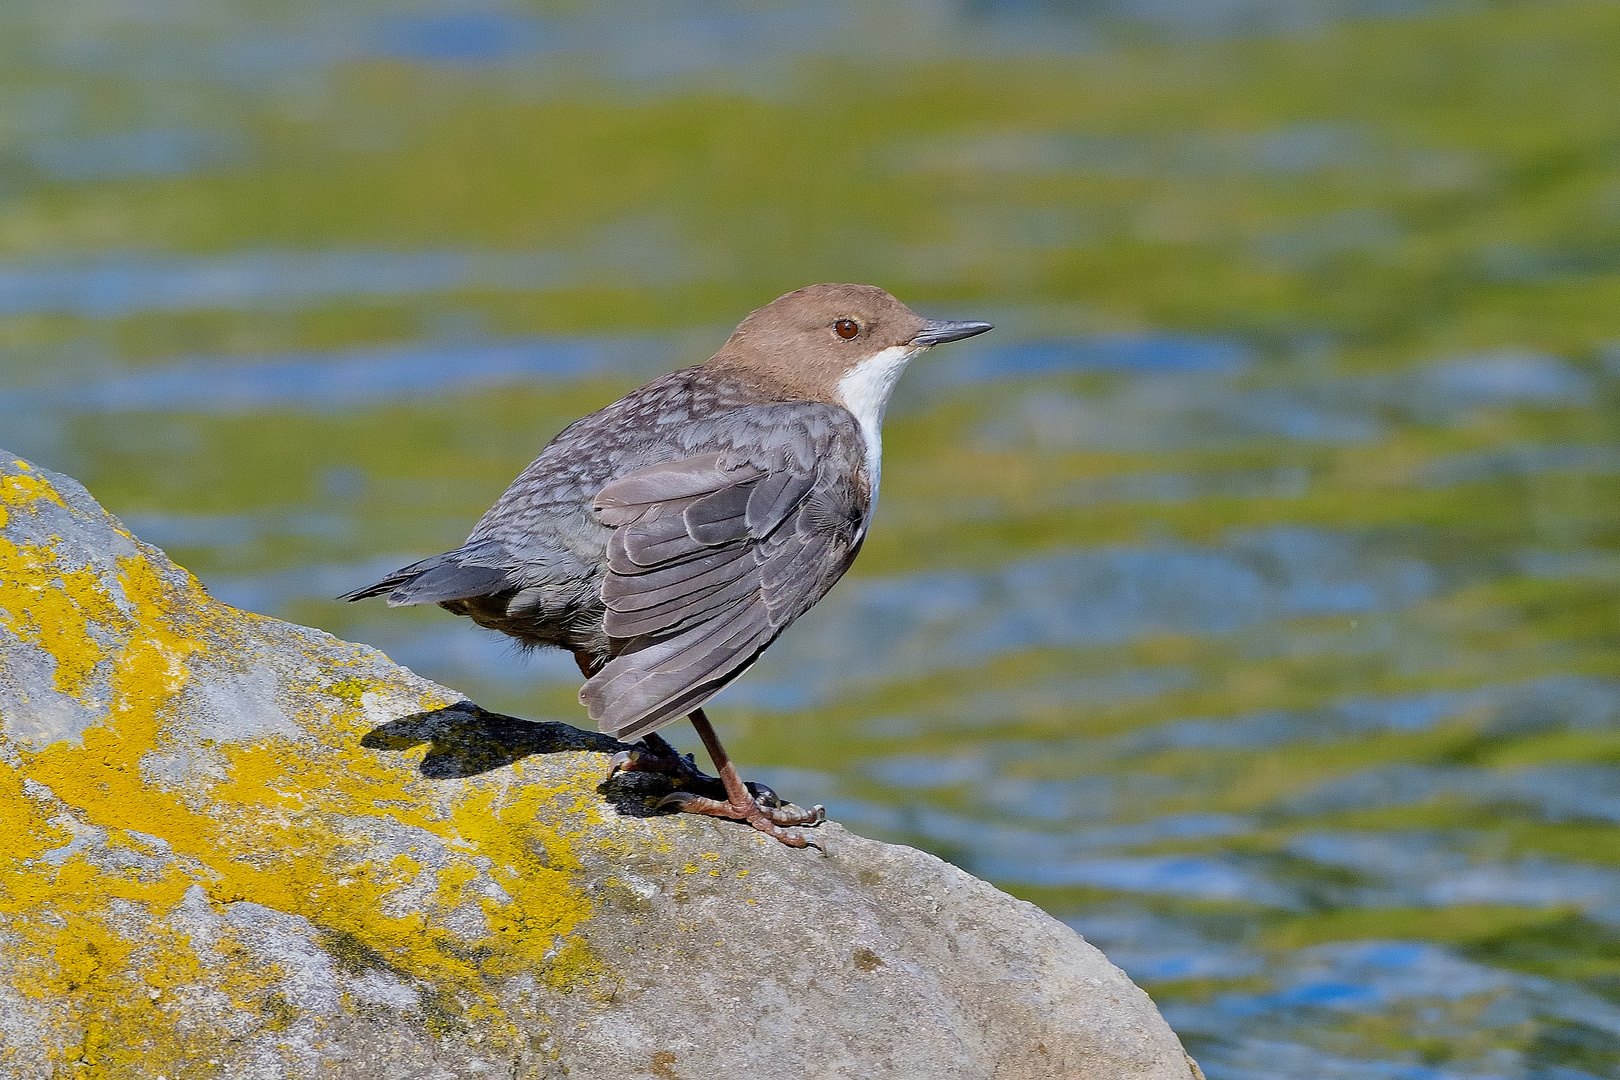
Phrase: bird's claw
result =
(676, 799)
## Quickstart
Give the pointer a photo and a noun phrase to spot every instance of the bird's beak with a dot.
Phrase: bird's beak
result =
(937, 333)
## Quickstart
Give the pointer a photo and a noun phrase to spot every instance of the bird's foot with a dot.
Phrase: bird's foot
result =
(662, 758)
(756, 804)
(768, 818)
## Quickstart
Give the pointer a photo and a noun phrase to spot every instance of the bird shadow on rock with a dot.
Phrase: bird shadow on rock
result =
(466, 740)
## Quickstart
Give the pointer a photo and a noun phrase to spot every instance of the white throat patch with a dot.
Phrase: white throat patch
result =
(865, 391)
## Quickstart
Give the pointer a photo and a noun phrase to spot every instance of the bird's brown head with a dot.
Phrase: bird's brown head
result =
(842, 344)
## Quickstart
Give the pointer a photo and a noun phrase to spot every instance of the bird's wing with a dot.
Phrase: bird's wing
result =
(712, 556)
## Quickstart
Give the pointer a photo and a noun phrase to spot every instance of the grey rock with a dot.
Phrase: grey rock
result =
(241, 848)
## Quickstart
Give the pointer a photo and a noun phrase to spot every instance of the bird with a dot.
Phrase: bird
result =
(668, 539)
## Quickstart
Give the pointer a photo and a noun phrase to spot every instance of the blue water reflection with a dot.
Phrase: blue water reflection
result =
(324, 381)
(110, 288)
(153, 152)
(1101, 596)
(1320, 985)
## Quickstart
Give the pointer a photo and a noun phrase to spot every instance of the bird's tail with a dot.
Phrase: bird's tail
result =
(434, 581)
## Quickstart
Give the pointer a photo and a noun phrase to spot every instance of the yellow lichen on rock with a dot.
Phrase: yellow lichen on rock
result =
(54, 607)
(201, 760)
(112, 994)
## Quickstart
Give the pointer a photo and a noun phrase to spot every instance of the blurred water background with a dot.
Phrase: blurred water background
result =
(1247, 599)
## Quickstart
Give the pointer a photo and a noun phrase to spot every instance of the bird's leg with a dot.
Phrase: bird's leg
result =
(741, 803)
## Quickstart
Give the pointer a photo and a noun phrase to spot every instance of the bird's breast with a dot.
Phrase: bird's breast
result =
(864, 391)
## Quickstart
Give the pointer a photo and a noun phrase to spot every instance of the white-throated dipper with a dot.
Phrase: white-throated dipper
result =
(667, 539)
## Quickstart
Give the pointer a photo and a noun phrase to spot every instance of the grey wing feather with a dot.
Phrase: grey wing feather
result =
(722, 516)
(715, 568)
(774, 498)
(695, 605)
(662, 538)
(681, 612)
(670, 679)
(788, 576)
(624, 500)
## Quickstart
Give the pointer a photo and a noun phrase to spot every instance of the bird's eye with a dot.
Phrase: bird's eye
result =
(846, 328)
